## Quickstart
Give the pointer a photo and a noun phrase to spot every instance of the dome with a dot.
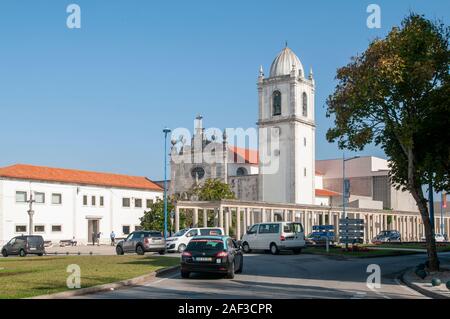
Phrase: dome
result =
(282, 65)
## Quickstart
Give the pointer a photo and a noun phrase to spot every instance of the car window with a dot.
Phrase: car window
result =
(192, 233)
(139, 235)
(130, 236)
(12, 241)
(35, 239)
(210, 231)
(269, 228)
(205, 245)
(252, 230)
(153, 234)
(180, 232)
(293, 228)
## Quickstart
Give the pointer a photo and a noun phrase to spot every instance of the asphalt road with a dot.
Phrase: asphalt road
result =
(285, 276)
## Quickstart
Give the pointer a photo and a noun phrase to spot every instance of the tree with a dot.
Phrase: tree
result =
(396, 95)
(153, 218)
(213, 190)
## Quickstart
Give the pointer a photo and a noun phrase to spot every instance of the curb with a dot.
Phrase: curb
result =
(419, 289)
(107, 287)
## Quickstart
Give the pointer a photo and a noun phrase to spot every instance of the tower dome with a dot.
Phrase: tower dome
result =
(284, 62)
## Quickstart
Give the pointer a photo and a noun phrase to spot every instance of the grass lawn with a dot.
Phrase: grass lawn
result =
(337, 251)
(33, 276)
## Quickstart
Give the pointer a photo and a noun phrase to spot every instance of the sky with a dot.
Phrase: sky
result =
(98, 97)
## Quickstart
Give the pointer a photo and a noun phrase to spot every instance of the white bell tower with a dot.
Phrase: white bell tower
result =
(286, 105)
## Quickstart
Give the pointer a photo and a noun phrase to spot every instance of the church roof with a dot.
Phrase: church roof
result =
(62, 175)
(283, 63)
(325, 192)
(247, 155)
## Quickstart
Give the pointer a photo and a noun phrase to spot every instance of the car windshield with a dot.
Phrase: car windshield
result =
(180, 232)
(210, 231)
(205, 245)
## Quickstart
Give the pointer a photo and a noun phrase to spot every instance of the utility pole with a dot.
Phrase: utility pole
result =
(165, 131)
(31, 213)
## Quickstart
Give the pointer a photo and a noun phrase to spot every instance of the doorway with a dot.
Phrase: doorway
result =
(93, 228)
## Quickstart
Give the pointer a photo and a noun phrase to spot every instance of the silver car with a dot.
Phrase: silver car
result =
(142, 241)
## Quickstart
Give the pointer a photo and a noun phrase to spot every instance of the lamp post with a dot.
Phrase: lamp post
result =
(31, 214)
(165, 131)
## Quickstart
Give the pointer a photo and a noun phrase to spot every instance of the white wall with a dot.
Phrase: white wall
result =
(71, 214)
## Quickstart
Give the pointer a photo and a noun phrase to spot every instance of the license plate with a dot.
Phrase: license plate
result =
(203, 258)
(32, 248)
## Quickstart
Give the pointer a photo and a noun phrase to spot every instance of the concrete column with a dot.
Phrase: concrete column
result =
(226, 213)
(195, 217)
(365, 228)
(177, 219)
(205, 218)
(238, 223)
(252, 216)
(230, 217)
(263, 215)
(220, 216)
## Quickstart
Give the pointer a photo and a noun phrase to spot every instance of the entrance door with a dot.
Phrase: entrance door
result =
(93, 228)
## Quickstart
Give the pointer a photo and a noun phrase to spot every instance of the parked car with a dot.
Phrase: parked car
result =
(387, 236)
(24, 245)
(142, 241)
(179, 241)
(212, 254)
(439, 238)
(274, 236)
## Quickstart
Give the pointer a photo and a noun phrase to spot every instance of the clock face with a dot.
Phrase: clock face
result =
(198, 172)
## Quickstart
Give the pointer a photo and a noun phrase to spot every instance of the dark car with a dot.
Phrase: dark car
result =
(387, 236)
(142, 241)
(24, 245)
(212, 254)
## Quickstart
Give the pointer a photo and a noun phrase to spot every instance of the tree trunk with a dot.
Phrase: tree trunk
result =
(416, 191)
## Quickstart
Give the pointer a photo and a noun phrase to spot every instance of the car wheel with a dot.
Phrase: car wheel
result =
(40, 255)
(140, 250)
(162, 252)
(4, 253)
(241, 266)
(297, 251)
(22, 253)
(181, 248)
(230, 274)
(246, 248)
(119, 250)
(274, 249)
(185, 274)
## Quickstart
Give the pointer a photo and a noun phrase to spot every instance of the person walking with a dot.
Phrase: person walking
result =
(113, 238)
(98, 238)
(94, 238)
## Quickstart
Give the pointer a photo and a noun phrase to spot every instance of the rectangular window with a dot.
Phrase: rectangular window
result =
(149, 203)
(39, 228)
(56, 199)
(125, 229)
(21, 197)
(21, 228)
(39, 198)
(84, 200)
(125, 202)
(56, 228)
(102, 201)
(138, 202)
(93, 200)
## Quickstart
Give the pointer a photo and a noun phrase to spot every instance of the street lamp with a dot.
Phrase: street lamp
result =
(344, 186)
(31, 214)
(165, 131)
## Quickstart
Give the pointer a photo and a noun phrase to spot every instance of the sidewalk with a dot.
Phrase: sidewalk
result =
(82, 250)
(425, 287)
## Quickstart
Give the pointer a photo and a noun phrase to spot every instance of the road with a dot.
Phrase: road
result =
(285, 276)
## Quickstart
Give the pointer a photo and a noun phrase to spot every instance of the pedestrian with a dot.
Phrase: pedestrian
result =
(98, 238)
(73, 242)
(94, 238)
(113, 238)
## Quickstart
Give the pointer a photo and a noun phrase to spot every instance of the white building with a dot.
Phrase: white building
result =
(72, 203)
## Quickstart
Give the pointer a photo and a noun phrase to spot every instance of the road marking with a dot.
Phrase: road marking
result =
(359, 295)
(411, 291)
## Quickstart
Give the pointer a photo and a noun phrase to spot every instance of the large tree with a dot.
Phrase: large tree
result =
(153, 218)
(396, 95)
(213, 189)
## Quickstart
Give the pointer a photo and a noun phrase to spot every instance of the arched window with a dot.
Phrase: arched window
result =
(304, 105)
(197, 172)
(276, 103)
(241, 171)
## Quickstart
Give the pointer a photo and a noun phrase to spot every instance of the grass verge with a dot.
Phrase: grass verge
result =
(34, 276)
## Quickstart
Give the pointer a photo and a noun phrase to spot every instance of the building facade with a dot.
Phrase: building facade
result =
(71, 204)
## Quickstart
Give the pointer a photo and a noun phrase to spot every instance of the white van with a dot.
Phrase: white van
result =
(180, 239)
(274, 236)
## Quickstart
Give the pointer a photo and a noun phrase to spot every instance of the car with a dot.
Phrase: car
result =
(24, 245)
(179, 241)
(274, 236)
(387, 236)
(439, 238)
(142, 241)
(212, 254)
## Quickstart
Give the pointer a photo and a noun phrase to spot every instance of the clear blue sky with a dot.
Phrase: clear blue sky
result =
(97, 98)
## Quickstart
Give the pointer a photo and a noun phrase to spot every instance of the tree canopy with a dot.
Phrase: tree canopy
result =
(213, 190)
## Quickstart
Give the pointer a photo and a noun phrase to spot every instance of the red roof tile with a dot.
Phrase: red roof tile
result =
(50, 174)
(248, 155)
(325, 192)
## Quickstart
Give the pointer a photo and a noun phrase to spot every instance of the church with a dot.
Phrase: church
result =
(283, 169)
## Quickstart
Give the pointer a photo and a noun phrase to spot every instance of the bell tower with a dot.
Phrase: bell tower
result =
(286, 130)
